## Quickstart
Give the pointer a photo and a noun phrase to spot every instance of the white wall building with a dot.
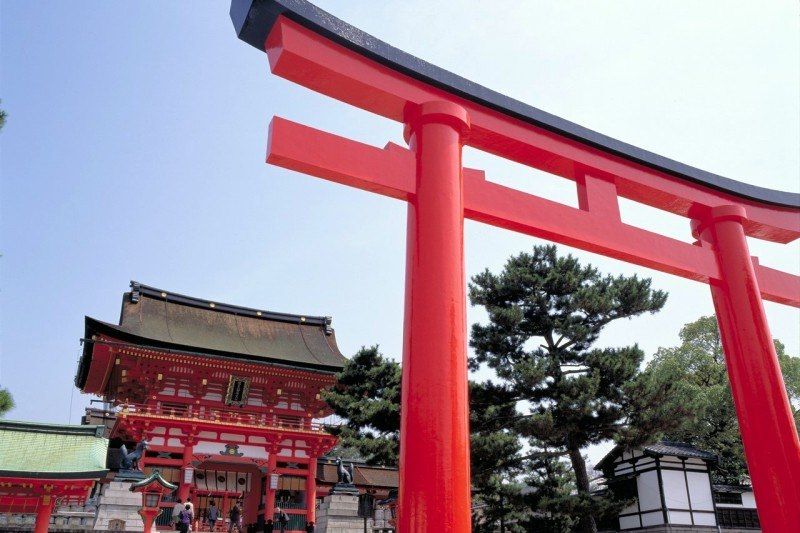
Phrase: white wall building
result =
(671, 487)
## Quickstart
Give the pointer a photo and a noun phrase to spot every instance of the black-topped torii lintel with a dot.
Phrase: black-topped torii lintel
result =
(253, 20)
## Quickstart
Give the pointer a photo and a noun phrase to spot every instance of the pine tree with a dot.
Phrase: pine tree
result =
(367, 397)
(545, 313)
(6, 401)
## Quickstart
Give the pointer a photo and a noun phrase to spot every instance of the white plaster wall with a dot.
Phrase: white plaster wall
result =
(641, 464)
(215, 447)
(675, 493)
(628, 522)
(679, 517)
(653, 518)
(749, 500)
(623, 468)
(647, 487)
(700, 491)
(705, 519)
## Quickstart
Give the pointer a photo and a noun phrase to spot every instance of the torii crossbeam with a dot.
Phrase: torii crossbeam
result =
(441, 113)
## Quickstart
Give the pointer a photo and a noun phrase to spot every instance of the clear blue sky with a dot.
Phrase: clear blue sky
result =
(137, 130)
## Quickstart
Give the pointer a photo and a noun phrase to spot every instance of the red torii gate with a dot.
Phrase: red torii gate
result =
(441, 113)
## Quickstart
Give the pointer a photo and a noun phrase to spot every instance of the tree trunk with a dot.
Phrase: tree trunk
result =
(587, 523)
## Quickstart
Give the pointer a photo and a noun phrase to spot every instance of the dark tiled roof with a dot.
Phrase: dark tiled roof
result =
(161, 319)
(664, 447)
(679, 449)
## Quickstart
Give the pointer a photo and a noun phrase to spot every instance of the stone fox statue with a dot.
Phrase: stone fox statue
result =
(130, 461)
(345, 475)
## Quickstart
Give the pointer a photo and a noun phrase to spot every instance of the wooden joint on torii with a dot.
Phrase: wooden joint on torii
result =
(595, 226)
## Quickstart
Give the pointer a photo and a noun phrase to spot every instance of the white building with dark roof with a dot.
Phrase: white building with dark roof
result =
(670, 486)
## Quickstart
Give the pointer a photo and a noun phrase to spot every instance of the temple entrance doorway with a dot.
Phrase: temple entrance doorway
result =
(224, 501)
(227, 483)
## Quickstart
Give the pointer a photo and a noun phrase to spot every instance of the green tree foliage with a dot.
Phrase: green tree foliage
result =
(367, 396)
(545, 314)
(6, 401)
(699, 363)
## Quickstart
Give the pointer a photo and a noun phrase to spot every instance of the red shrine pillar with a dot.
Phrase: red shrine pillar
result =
(269, 504)
(185, 486)
(43, 512)
(434, 446)
(311, 491)
(766, 424)
(253, 499)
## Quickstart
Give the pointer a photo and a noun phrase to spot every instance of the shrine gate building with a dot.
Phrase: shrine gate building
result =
(226, 397)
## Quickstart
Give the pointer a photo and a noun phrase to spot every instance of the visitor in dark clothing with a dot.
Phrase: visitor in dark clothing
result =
(235, 516)
(186, 518)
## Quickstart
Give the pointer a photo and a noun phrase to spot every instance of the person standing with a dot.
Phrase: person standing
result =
(186, 517)
(269, 527)
(212, 516)
(191, 509)
(283, 519)
(234, 515)
(176, 513)
(310, 527)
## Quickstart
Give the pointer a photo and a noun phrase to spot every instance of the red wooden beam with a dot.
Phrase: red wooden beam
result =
(595, 228)
(309, 59)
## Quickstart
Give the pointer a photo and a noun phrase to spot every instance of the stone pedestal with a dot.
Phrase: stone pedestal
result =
(117, 502)
(338, 513)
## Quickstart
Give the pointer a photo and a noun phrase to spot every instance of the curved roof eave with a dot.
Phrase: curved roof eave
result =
(253, 19)
(98, 326)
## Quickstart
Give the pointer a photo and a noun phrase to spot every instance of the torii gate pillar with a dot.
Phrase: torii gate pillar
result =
(434, 434)
(762, 407)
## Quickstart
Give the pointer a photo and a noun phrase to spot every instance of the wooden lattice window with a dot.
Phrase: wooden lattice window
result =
(738, 518)
(237, 391)
(728, 497)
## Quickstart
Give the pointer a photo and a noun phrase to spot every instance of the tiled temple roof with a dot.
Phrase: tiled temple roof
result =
(34, 450)
(166, 320)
